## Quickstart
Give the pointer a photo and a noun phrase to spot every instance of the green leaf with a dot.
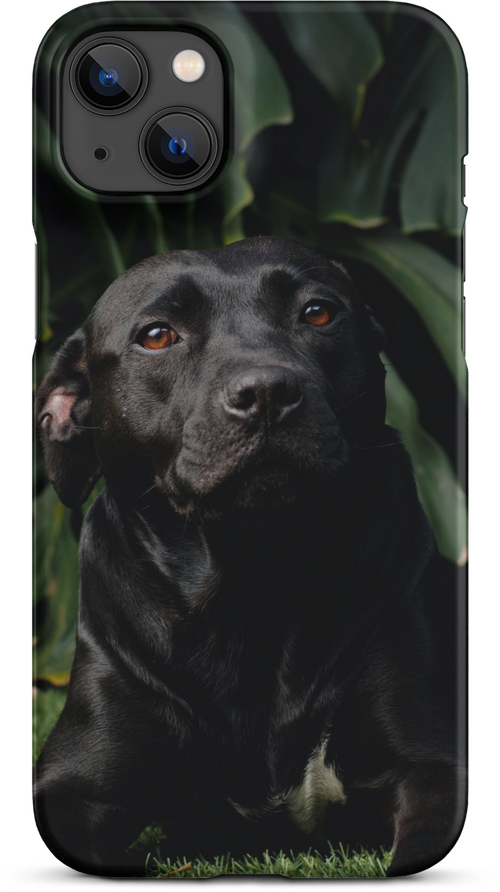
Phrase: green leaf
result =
(261, 96)
(411, 133)
(354, 175)
(356, 171)
(339, 47)
(431, 183)
(237, 194)
(440, 493)
(430, 283)
(57, 582)
(357, 168)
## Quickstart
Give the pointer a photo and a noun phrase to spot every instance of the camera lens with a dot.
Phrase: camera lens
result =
(109, 77)
(178, 144)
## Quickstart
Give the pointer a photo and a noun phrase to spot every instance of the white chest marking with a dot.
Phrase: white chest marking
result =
(306, 803)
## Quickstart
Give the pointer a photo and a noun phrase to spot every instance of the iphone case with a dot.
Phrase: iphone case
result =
(269, 674)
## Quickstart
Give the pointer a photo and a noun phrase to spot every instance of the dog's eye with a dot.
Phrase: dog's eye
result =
(317, 313)
(157, 337)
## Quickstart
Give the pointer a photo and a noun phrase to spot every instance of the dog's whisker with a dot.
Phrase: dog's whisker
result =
(184, 528)
(387, 445)
(145, 493)
(358, 397)
(343, 406)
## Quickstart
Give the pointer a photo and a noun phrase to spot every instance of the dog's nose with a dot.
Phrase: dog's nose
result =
(268, 392)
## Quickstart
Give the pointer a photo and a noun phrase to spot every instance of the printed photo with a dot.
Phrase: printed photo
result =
(250, 514)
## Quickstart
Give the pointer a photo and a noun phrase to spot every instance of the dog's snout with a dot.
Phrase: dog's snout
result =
(271, 393)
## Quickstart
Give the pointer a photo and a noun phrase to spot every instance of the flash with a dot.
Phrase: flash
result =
(188, 65)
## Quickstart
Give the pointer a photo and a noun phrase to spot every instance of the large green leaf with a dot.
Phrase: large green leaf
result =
(354, 176)
(429, 282)
(340, 47)
(261, 96)
(440, 493)
(412, 131)
(430, 189)
(357, 167)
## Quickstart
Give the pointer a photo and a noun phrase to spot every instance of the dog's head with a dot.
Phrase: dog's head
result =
(226, 379)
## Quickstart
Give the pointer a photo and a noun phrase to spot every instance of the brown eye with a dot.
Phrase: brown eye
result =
(157, 337)
(317, 314)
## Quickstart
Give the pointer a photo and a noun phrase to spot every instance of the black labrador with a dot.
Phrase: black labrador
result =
(258, 662)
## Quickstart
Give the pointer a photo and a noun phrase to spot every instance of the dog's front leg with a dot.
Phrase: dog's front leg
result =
(428, 817)
(90, 835)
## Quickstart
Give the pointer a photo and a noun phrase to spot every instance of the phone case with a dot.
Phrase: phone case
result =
(250, 469)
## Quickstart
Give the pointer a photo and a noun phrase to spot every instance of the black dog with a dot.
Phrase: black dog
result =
(258, 663)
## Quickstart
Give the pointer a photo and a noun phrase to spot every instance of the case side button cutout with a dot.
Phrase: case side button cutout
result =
(466, 181)
(465, 253)
(465, 321)
(34, 295)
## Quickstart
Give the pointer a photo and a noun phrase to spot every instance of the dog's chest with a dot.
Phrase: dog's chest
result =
(307, 802)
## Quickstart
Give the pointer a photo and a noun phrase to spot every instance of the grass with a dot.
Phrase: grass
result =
(305, 865)
(342, 864)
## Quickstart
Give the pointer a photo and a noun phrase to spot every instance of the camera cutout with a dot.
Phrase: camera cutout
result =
(149, 103)
(178, 143)
(109, 77)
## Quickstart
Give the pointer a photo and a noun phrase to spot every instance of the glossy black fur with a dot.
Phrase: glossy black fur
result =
(252, 582)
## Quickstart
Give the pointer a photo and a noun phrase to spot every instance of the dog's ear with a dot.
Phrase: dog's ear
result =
(376, 328)
(64, 422)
